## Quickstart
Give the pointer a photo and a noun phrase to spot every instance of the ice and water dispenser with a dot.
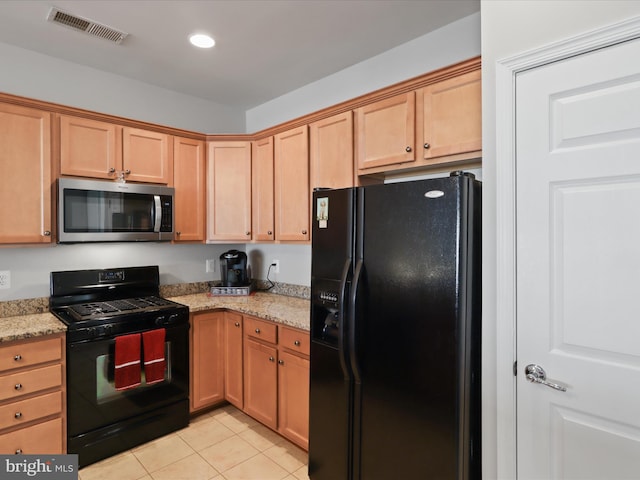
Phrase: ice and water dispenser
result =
(326, 304)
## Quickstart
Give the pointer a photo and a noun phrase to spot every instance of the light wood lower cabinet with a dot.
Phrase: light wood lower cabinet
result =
(233, 382)
(261, 382)
(293, 398)
(32, 399)
(207, 359)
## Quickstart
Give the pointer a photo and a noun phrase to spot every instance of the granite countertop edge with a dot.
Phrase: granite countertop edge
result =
(289, 311)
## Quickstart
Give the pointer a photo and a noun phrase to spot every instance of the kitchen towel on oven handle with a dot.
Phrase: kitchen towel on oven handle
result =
(127, 362)
(154, 360)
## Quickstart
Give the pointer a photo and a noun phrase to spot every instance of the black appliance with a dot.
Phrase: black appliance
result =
(97, 306)
(233, 269)
(395, 331)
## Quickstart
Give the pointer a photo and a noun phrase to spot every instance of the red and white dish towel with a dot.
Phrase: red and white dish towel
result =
(128, 360)
(154, 361)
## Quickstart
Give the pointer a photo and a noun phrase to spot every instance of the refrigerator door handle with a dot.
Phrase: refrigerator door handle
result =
(342, 319)
(352, 323)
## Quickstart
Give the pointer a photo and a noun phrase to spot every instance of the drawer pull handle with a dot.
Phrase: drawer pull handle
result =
(19, 451)
(237, 324)
(18, 386)
(17, 358)
(18, 415)
(297, 343)
(257, 330)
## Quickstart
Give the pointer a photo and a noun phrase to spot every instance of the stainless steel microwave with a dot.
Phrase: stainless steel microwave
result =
(107, 211)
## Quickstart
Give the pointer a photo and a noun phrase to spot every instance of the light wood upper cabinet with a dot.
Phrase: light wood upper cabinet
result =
(229, 191)
(189, 183)
(89, 148)
(146, 156)
(331, 152)
(207, 359)
(292, 197)
(262, 211)
(25, 182)
(385, 132)
(449, 117)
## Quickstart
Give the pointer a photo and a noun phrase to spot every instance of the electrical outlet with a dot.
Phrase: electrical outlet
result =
(276, 266)
(211, 265)
(5, 279)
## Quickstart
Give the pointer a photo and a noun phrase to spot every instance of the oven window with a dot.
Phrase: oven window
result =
(105, 386)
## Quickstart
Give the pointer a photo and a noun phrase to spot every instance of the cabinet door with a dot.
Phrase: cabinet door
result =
(189, 184)
(449, 117)
(262, 190)
(293, 400)
(89, 148)
(25, 182)
(207, 359)
(331, 152)
(233, 391)
(385, 132)
(146, 156)
(261, 382)
(292, 185)
(229, 191)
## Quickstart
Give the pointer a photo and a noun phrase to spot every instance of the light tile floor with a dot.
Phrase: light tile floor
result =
(224, 444)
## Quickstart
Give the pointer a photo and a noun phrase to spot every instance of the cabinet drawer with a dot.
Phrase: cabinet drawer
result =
(43, 438)
(17, 355)
(261, 329)
(31, 409)
(30, 381)
(295, 340)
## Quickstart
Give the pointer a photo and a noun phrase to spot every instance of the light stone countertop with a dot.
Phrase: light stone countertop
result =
(290, 311)
(282, 309)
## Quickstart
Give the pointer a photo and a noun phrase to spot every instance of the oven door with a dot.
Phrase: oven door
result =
(93, 401)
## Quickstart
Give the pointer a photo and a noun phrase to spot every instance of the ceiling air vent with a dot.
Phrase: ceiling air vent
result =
(88, 26)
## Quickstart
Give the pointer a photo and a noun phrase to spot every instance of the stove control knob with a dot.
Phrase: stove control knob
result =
(160, 320)
(174, 317)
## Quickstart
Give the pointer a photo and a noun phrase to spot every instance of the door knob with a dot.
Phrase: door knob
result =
(536, 374)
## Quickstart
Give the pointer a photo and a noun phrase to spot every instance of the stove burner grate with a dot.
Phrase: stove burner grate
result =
(86, 310)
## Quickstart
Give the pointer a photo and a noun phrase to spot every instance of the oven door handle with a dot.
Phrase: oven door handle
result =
(157, 213)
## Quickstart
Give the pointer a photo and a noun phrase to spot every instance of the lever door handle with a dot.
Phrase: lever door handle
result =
(536, 374)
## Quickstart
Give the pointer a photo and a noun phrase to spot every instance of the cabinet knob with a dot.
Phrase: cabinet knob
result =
(127, 171)
(18, 415)
(18, 386)
(257, 330)
(19, 451)
(269, 232)
(304, 232)
(178, 233)
(280, 362)
(237, 324)
(112, 170)
(247, 233)
(408, 149)
(17, 358)
(426, 145)
(271, 359)
(297, 343)
(47, 233)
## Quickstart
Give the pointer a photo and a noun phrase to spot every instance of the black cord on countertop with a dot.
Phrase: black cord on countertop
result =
(271, 284)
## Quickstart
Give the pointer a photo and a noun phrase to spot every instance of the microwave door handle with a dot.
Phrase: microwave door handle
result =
(157, 213)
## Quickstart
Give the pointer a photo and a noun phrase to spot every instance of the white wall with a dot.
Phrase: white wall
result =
(510, 28)
(450, 44)
(34, 75)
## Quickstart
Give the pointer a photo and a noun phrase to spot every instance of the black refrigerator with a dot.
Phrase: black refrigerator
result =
(395, 331)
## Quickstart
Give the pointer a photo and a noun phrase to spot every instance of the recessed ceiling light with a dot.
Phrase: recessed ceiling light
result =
(202, 41)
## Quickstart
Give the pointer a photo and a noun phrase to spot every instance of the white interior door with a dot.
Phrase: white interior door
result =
(578, 266)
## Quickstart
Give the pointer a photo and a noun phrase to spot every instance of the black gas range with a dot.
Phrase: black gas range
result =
(101, 308)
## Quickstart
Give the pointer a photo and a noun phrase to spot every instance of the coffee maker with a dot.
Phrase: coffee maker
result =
(233, 269)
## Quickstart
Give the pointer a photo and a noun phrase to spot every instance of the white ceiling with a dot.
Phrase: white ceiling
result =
(264, 48)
